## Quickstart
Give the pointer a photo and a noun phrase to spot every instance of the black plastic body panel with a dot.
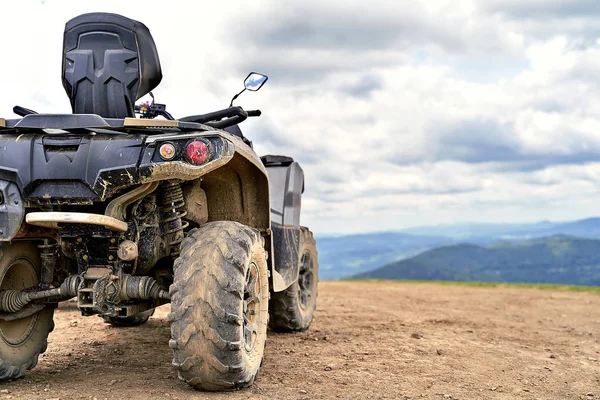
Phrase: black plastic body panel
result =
(286, 243)
(109, 61)
(84, 168)
(286, 183)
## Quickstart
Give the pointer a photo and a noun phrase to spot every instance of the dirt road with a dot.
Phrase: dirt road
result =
(369, 341)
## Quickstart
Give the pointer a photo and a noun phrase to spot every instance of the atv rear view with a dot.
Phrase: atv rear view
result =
(126, 214)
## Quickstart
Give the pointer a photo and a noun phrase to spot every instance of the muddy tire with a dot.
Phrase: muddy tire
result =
(219, 307)
(132, 320)
(292, 310)
(22, 340)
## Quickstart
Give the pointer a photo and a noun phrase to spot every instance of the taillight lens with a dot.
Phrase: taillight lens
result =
(197, 152)
(167, 151)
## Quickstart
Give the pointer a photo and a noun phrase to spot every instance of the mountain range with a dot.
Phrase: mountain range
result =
(589, 228)
(346, 256)
(557, 259)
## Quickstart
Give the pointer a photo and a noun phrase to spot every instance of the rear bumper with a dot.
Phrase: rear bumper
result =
(81, 169)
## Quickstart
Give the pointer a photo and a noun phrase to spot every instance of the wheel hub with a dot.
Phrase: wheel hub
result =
(19, 275)
(305, 279)
(251, 307)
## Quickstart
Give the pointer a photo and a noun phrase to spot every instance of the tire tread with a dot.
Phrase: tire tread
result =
(206, 352)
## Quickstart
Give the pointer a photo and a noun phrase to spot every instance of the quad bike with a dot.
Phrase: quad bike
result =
(125, 214)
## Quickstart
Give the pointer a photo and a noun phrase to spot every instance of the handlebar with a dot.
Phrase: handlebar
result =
(218, 119)
(230, 112)
(223, 118)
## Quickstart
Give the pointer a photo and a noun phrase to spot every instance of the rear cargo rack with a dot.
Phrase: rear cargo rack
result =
(92, 122)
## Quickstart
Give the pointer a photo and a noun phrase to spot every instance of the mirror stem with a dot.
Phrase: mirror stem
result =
(236, 96)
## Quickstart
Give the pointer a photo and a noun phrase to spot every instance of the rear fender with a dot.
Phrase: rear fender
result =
(239, 191)
(12, 210)
(286, 246)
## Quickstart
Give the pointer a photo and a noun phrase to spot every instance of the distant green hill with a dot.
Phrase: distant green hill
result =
(557, 259)
(344, 256)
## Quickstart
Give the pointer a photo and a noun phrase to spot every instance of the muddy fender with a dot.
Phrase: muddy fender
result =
(12, 210)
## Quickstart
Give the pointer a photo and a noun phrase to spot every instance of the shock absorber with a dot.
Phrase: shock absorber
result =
(48, 255)
(171, 214)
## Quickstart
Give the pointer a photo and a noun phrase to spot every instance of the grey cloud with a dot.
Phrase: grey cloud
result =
(539, 9)
(339, 195)
(494, 146)
(299, 68)
(350, 27)
(536, 162)
(477, 141)
(438, 189)
(470, 141)
(553, 105)
(280, 140)
(314, 41)
(330, 177)
(363, 86)
(584, 73)
(543, 19)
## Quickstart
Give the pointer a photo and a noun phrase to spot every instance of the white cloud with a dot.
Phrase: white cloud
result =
(401, 114)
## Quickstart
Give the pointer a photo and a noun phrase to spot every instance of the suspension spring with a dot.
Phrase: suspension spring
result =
(171, 214)
(48, 256)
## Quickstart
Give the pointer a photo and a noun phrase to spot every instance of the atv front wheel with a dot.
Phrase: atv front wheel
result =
(132, 320)
(293, 309)
(219, 306)
(22, 340)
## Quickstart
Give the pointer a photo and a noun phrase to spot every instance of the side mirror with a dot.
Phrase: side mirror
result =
(255, 81)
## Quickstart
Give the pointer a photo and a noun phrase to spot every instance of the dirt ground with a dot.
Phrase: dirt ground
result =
(368, 341)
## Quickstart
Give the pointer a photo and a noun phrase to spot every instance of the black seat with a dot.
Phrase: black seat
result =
(109, 61)
(236, 131)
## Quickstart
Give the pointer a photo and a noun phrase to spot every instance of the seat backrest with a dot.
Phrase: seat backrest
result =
(109, 61)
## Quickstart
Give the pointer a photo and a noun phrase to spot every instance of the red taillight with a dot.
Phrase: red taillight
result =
(197, 152)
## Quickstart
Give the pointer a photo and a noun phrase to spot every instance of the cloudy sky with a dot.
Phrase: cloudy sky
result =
(401, 113)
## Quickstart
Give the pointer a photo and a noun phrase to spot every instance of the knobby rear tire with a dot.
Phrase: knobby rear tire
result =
(214, 348)
(22, 340)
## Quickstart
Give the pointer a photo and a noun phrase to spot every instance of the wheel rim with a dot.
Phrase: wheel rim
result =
(20, 274)
(251, 307)
(305, 279)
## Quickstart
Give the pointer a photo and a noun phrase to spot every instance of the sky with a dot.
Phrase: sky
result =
(401, 113)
